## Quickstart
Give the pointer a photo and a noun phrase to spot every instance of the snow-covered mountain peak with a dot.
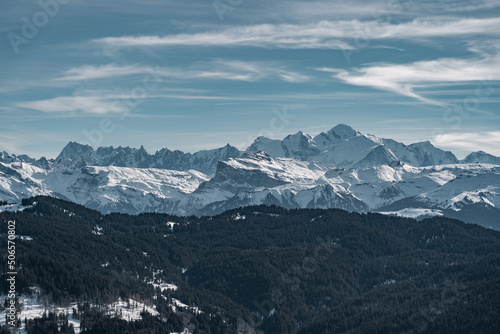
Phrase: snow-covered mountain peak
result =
(74, 150)
(229, 149)
(341, 168)
(380, 155)
(334, 135)
(8, 158)
(299, 135)
(204, 161)
(345, 147)
(343, 131)
(272, 146)
(481, 157)
(299, 139)
(299, 146)
(423, 146)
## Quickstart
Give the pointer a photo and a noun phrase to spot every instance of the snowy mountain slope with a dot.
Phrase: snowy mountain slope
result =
(482, 158)
(321, 196)
(348, 152)
(272, 146)
(334, 135)
(342, 146)
(336, 146)
(380, 155)
(283, 169)
(341, 168)
(469, 192)
(259, 179)
(19, 180)
(345, 147)
(379, 186)
(254, 174)
(300, 146)
(472, 187)
(297, 146)
(207, 160)
(127, 189)
(107, 189)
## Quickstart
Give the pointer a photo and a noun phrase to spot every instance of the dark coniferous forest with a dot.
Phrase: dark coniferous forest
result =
(257, 270)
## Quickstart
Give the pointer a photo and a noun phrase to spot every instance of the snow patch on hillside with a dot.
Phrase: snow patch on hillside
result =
(414, 213)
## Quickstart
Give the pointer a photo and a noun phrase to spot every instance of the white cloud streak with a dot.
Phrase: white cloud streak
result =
(433, 6)
(214, 70)
(320, 35)
(488, 141)
(88, 72)
(368, 9)
(97, 105)
(406, 78)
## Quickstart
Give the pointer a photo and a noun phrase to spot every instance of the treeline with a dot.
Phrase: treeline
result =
(267, 268)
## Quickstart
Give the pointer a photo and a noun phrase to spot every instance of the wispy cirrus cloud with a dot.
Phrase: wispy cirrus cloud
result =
(88, 104)
(470, 141)
(238, 70)
(405, 79)
(426, 6)
(89, 72)
(218, 69)
(101, 103)
(368, 9)
(318, 35)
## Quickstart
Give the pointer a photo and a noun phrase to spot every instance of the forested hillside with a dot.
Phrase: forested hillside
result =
(257, 270)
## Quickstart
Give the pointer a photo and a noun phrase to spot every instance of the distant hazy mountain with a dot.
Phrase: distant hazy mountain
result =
(204, 161)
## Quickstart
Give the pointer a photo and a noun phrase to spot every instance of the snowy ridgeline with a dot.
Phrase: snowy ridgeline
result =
(254, 180)
(129, 310)
(341, 168)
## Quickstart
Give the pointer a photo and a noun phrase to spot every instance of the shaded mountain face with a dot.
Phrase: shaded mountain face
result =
(341, 168)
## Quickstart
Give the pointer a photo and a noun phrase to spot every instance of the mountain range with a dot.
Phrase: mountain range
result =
(341, 168)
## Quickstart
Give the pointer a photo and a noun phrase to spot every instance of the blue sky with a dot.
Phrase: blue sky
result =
(194, 75)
